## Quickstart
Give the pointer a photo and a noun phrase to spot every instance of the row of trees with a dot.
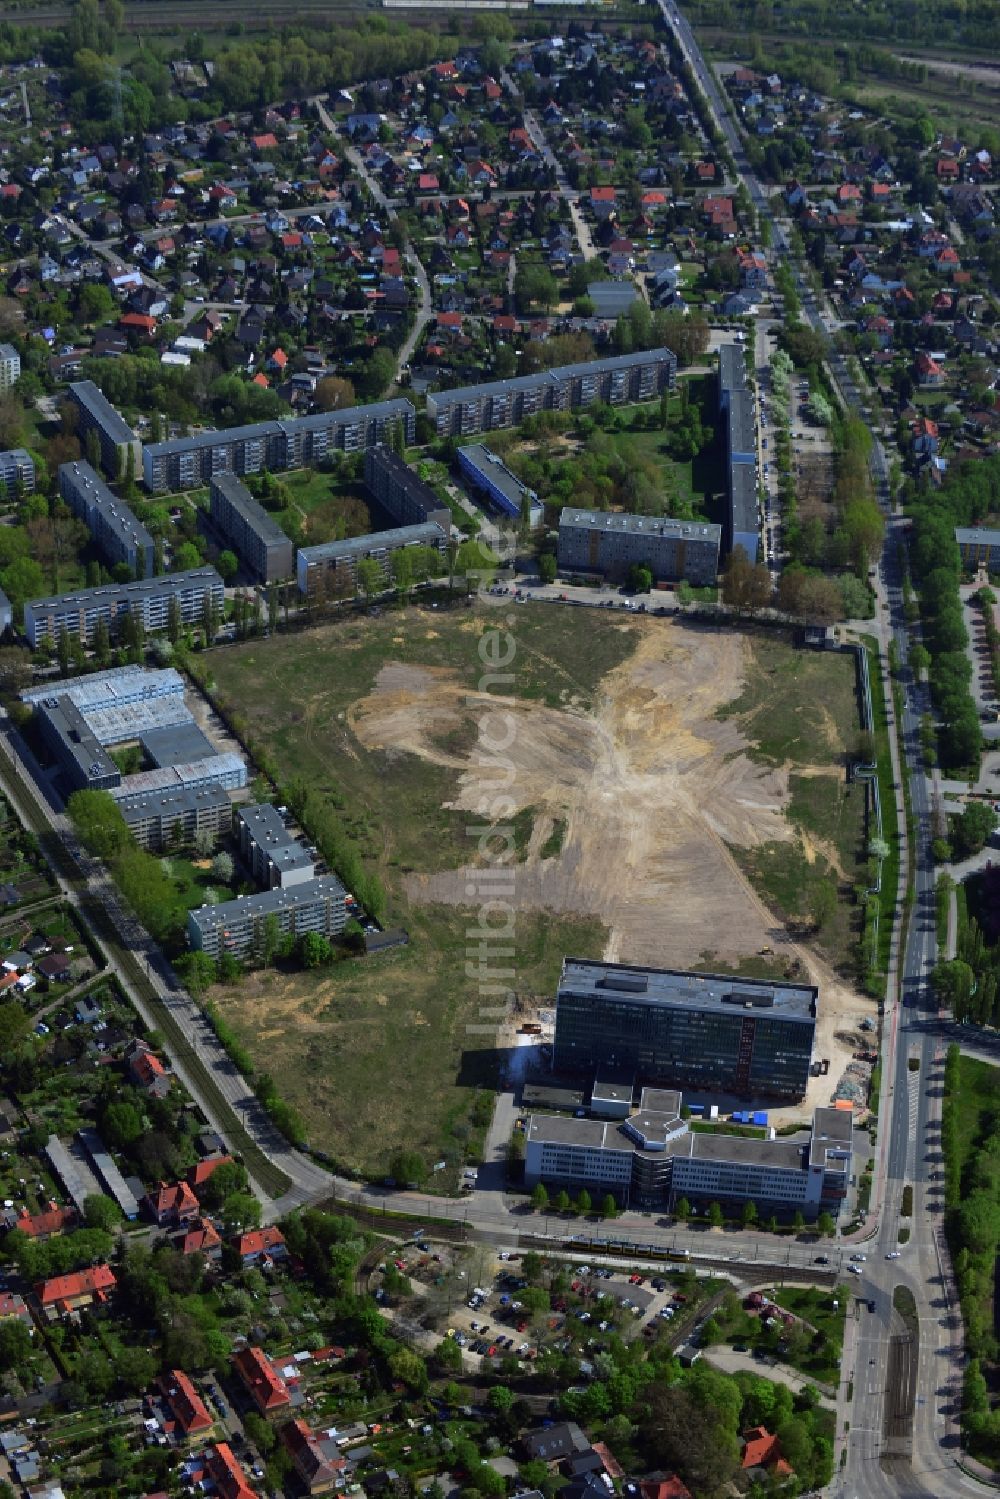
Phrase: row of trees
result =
(972, 1216)
(970, 492)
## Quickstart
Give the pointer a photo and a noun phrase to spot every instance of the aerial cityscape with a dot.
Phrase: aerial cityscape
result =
(499, 750)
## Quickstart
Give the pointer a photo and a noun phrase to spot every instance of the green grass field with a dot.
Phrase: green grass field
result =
(376, 1054)
(800, 711)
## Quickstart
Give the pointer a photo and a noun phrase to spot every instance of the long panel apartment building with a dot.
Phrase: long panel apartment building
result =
(506, 403)
(602, 544)
(79, 613)
(333, 565)
(695, 1030)
(117, 533)
(238, 926)
(95, 413)
(186, 462)
(739, 436)
(403, 493)
(255, 536)
(652, 1159)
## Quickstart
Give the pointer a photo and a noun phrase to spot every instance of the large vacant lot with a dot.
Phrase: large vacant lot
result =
(652, 770)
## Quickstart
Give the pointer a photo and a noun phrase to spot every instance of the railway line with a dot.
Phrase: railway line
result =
(150, 16)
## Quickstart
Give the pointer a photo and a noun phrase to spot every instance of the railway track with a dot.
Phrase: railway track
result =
(154, 17)
(176, 15)
(900, 1397)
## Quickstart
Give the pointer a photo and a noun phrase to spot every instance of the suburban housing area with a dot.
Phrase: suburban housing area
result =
(499, 752)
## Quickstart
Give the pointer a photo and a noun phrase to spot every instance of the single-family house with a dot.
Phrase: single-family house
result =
(61, 1294)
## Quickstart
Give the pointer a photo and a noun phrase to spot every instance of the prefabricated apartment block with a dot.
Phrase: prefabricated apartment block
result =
(10, 366)
(238, 926)
(698, 1030)
(256, 538)
(978, 547)
(78, 613)
(403, 493)
(272, 854)
(118, 535)
(488, 473)
(506, 403)
(95, 413)
(17, 467)
(334, 564)
(606, 545)
(161, 820)
(186, 462)
(739, 435)
(652, 1159)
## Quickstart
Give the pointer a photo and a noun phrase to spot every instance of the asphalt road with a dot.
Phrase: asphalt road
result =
(884, 1454)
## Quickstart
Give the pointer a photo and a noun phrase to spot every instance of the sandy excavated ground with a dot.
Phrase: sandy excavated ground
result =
(651, 788)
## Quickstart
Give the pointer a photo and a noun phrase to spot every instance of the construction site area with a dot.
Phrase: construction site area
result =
(643, 777)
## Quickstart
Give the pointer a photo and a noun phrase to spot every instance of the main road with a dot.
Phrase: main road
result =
(903, 1434)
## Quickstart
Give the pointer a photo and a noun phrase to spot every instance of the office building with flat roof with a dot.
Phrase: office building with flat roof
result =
(228, 771)
(82, 758)
(174, 819)
(117, 440)
(255, 536)
(179, 743)
(486, 472)
(652, 1158)
(978, 547)
(333, 565)
(295, 442)
(698, 1030)
(17, 467)
(238, 926)
(78, 613)
(403, 493)
(604, 544)
(118, 535)
(506, 403)
(10, 366)
(273, 856)
(118, 687)
(738, 422)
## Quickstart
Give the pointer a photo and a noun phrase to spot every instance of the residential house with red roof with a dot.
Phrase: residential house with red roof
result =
(761, 1449)
(200, 1236)
(46, 1225)
(603, 201)
(265, 1387)
(667, 1487)
(228, 1475)
(262, 1246)
(186, 1405)
(13, 1305)
(316, 1459)
(146, 1070)
(69, 1293)
(171, 1203)
(929, 372)
(199, 1174)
